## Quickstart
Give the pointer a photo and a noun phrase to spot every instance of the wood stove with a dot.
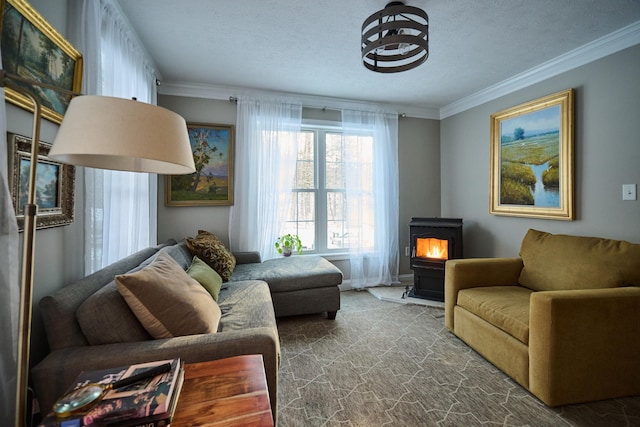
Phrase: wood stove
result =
(433, 241)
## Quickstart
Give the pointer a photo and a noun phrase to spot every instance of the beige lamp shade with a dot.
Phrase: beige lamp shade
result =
(121, 134)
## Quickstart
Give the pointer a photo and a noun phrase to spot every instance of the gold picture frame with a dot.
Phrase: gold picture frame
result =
(55, 184)
(212, 182)
(34, 50)
(532, 159)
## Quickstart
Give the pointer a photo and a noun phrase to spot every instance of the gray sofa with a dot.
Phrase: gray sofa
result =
(115, 337)
(247, 326)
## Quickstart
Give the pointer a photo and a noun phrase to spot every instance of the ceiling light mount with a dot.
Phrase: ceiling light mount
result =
(395, 38)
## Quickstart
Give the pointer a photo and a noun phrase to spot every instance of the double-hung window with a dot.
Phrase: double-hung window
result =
(318, 212)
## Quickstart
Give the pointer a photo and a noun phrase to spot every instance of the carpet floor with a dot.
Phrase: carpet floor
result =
(386, 364)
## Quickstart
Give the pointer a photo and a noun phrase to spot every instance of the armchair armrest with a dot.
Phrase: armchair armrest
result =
(583, 344)
(56, 372)
(248, 257)
(475, 272)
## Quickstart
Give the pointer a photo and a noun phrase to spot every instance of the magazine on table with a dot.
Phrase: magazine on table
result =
(148, 402)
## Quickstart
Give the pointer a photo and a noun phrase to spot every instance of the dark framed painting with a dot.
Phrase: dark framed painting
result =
(212, 182)
(55, 184)
(532, 159)
(34, 50)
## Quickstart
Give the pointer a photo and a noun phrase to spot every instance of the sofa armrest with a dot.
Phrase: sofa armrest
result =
(56, 372)
(475, 272)
(583, 344)
(249, 257)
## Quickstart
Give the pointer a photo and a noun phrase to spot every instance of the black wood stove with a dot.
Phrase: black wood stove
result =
(433, 241)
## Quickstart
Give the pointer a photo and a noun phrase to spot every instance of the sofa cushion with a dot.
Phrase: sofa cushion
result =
(505, 307)
(206, 276)
(167, 301)
(105, 318)
(293, 273)
(562, 262)
(246, 305)
(211, 250)
(59, 310)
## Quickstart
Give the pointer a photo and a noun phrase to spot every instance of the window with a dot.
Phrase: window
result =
(318, 204)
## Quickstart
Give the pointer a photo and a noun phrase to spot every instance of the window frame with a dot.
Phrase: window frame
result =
(320, 129)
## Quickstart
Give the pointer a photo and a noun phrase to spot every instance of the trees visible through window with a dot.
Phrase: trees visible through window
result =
(318, 212)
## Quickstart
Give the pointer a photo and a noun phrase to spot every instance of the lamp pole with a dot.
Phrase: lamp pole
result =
(28, 253)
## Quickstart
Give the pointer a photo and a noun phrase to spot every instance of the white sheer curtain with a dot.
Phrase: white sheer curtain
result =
(266, 153)
(371, 187)
(120, 207)
(9, 283)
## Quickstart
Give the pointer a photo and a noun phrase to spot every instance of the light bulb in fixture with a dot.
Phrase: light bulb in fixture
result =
(403, 48)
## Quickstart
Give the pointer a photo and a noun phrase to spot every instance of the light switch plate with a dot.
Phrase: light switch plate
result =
(629, 192)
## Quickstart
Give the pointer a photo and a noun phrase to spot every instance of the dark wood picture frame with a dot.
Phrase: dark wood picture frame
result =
(55, 186)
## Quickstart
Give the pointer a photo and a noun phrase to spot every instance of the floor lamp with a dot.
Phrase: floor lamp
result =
(98, 132)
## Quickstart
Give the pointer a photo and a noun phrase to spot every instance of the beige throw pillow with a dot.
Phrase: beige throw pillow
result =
(211, 250)
(167, 301)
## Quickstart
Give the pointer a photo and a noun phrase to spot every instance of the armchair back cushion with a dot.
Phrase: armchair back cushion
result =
(560, 262)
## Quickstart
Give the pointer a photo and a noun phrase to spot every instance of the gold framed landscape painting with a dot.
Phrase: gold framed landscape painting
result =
(532, 159)
(32, 49)
(212, 182)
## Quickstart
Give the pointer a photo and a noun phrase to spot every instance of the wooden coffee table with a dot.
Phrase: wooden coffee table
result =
(226, 392)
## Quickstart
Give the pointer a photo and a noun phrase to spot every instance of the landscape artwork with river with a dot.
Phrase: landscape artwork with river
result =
(530, 159)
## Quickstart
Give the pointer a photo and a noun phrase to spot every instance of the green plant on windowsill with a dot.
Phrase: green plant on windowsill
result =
(288, 243)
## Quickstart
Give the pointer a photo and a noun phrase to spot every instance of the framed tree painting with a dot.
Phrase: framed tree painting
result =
(32, 49)
(532, 159)
(212, 182)
(55, 184)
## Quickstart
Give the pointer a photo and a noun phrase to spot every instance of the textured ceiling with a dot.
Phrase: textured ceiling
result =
(312, 47)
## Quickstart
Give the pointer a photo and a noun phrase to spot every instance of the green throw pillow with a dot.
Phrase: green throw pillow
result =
(206, 276)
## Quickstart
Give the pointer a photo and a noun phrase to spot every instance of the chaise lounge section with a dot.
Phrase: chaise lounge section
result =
(298, 285)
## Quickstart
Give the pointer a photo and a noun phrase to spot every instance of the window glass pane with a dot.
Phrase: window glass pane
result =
(307, 234)
(306, 206)
(334, 161)
(336, 234)
(301, 218)
(305, 167)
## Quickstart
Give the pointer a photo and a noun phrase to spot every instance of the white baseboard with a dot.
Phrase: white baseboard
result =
(404, 278)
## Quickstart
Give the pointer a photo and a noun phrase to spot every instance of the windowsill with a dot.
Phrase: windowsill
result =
(333, 256)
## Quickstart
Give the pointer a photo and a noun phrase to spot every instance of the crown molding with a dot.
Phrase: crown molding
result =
(197, 90)
(614, 42)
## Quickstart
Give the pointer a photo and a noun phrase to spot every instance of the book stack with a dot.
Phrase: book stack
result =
(146, 403)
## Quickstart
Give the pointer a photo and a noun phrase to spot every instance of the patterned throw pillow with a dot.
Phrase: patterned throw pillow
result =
(211, 250)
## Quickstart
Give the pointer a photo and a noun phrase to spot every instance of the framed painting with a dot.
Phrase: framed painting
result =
(212, 182)
(532, 159)
(34, 50)
(55, 183)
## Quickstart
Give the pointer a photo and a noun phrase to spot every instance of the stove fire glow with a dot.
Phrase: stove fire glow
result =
(432, 248)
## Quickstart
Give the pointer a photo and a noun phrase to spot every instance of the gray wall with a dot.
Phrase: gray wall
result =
(59, 250)
(418, 154)
(607, 155)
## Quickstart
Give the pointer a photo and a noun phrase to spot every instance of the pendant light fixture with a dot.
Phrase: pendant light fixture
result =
(395, 38)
